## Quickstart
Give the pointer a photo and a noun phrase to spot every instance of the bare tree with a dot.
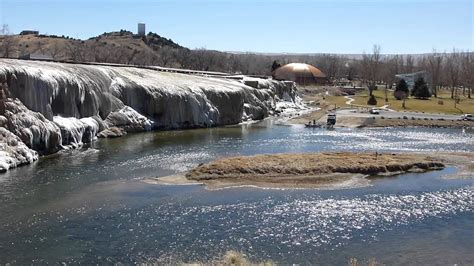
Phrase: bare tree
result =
(434, 61)
(467, 72)
(9, 43)
(76, 51)
(39, 47)
(370, 68)
(166, 56)
(55, 51)
(409, 64)
(452, 71)
(390, 68)
(184, 58)
(350, 70)
(328, 63)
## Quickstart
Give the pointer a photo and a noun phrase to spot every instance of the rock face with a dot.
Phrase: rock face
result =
(13, 152)
(52, 106)
(32, 128)
(128, 119)
(170, 100)
(112, 132)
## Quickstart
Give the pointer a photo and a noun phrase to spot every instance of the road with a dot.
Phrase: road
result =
(354, 112)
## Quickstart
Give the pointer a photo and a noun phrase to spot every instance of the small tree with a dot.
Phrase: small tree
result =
(275, 65)
(372, 100)
(420, 89)
(8, 44)
(401, 90)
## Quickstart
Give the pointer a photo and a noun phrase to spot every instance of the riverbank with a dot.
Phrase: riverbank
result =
(306, 170)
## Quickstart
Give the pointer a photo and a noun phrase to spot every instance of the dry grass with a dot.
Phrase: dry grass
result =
(285, 167)
(370, 262)
(233, 258)
(60, 48)
(239, 259)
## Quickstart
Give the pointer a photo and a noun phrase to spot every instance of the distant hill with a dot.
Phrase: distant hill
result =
(124, 37)
(112, 47)
(125, 47)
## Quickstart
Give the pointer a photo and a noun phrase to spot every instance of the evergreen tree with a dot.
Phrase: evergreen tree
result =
(401, 90)
(402, 86)
(372, 100)
(275, 65)
(420, 89)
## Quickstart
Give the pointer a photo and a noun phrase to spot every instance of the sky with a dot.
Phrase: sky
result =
(278, 26)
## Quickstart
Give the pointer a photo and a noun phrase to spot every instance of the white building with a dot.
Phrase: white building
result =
(141, 29)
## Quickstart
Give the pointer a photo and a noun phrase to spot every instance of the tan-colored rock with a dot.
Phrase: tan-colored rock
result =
(112, 132)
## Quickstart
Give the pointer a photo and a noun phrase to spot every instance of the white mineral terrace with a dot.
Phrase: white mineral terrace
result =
(52, 106)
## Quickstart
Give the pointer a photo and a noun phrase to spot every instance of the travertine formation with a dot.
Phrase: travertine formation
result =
(52, 106)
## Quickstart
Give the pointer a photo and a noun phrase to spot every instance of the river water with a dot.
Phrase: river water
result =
(89, 205)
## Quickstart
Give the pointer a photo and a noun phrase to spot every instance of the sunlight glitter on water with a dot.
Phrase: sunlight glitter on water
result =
(178, 162)
(322, 221)
(79, 201)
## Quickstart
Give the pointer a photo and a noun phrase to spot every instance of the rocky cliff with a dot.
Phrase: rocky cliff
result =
(51, 106)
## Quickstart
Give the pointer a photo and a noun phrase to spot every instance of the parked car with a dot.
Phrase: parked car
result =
(467, 117)
(374, 111)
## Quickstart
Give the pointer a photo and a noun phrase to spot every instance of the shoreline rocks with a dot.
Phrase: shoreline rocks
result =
(13, 152)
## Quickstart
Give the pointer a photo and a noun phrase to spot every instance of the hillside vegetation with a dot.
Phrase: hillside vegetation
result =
(124, 47)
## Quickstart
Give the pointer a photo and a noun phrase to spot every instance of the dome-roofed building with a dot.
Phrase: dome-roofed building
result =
(300, 73)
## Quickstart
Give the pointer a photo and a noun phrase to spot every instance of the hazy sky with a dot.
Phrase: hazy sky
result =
(402, 26)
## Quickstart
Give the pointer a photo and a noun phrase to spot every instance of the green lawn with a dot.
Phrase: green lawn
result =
(429, 106)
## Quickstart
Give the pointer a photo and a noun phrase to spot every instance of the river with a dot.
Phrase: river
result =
(90, 205)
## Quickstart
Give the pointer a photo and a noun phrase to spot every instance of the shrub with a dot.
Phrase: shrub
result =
(372, 100)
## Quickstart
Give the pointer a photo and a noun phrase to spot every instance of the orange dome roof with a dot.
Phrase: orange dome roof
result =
(295, 71)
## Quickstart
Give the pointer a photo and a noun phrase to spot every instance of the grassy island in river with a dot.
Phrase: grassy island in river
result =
(308, 169)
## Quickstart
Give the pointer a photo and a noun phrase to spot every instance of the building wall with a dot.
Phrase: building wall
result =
(410, 78)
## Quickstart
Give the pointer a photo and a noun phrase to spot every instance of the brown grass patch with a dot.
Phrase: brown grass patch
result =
(306, 166)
